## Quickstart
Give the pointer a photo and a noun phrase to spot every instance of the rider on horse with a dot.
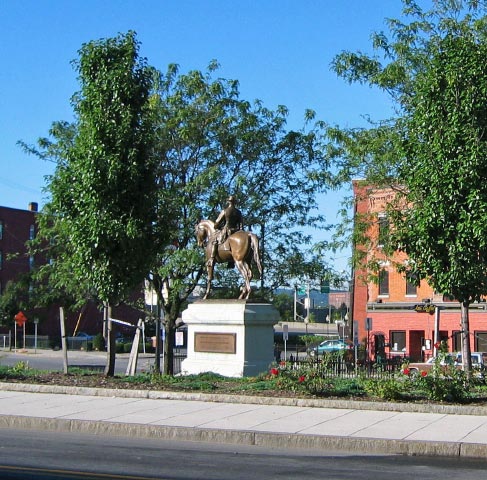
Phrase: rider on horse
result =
(228, 222)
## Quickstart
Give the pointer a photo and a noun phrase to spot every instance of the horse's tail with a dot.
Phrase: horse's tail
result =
(255, 247)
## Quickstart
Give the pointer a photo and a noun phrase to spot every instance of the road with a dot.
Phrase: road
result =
(47, 455)
(53, 360)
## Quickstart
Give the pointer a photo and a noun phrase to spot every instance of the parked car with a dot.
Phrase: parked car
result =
(80, 337)
(479, 362)
(415, 368)
(329, 346)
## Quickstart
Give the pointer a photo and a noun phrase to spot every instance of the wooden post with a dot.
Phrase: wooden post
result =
(63, 340)
(134, 352)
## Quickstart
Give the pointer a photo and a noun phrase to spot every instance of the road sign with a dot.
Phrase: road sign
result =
(325, 286)
(355, 333)
(285, 332)
(368, 324)
(302, 290)
(20, 319)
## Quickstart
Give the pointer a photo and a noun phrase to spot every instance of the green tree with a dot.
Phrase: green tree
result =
(103, 190)
(434, 70)
(211, 143)
(207, 143)
(285, 305)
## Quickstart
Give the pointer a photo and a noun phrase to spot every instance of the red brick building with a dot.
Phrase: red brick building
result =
(403, 319)
(16, 228)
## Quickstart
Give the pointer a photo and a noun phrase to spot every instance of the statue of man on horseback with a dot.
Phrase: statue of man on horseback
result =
(225, 241)
(228, 222)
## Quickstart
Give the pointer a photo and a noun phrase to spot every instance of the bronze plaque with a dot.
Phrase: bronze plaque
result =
(215, 342)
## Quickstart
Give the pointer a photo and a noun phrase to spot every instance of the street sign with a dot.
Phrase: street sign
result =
(355, 333)
(285, 332)
(368, 324)
(20, 319)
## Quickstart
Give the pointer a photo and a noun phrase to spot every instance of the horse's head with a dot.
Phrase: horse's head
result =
(201, 234)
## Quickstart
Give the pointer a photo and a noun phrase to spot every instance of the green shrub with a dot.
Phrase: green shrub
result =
(446, 385)
(444, 382)
(386, 388)
(20, 368)
(99, 342)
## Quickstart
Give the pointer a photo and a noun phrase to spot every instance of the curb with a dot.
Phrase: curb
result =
(251, 438)
(228, 398)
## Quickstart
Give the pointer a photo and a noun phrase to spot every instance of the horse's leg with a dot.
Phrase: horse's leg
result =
(244, 271)
(210, 266)
(248, 278)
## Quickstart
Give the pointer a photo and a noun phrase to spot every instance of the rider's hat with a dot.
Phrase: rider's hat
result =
(231, 199)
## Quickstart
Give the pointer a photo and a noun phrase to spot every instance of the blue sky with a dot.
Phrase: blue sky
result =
(279, 51)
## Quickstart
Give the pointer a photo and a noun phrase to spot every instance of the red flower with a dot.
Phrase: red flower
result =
(423, 373)
(406, 371)
(301, 379)
(282, 364)
(274, 371)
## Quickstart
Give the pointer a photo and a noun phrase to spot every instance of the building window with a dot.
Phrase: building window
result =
(398, 341)
(411, 284)
(480, 341)
(1, 229)
(456, 340)
(383, 282)
(31, 262)
(383, 229)
(32, 232)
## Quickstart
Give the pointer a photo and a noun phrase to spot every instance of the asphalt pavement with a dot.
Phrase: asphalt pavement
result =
(328, 425)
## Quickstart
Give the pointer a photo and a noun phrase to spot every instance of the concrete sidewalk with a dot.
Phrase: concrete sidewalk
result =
(359, 427)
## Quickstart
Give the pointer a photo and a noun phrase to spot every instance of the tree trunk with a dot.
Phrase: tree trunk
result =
(157, 357)
(169, 347)
(110, 341)
(465, 337)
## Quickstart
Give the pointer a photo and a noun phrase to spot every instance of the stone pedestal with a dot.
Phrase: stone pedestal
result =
(234, 338)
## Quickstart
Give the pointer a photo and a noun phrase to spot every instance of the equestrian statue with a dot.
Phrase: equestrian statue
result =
(225, 241)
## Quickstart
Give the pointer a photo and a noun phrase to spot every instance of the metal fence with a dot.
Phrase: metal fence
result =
(178, 357)
(28, 341)
(340, 366)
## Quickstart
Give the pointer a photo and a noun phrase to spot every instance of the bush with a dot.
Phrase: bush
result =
(448, 385)
(384, 388)
(99, 342)
(444, 382)
(315, 379)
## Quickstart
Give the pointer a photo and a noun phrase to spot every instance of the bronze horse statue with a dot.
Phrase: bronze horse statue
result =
(241, 248)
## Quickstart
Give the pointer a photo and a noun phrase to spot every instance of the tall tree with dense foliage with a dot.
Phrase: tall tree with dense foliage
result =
(205, 143)
(435, 70)
(211, 144)
(103, 192)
